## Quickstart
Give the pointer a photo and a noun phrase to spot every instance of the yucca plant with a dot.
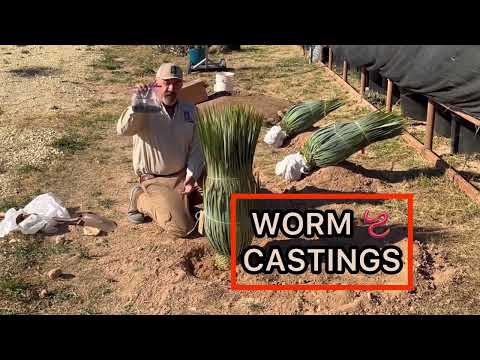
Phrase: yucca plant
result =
(334, 143)
(229, 137)
(299, 118)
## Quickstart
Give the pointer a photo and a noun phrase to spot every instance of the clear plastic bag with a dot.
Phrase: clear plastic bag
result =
(9, 223)
(145, 102)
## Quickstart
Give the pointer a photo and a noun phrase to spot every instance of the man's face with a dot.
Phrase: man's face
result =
(167, 90)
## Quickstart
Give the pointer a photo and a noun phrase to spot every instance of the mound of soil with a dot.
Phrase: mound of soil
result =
(337, 178)
(268, 106)
(296, 143)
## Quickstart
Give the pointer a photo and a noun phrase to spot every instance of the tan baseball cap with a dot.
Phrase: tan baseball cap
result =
(169, 71)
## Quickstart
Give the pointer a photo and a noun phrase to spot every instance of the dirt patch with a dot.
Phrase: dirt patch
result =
(338, 178)
(32, 71)
(296, 143)
(331, 178)
(268, 106)
(200, 263)
(433, 266)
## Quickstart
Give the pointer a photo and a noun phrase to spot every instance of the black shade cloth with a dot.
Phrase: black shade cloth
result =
(449, 74)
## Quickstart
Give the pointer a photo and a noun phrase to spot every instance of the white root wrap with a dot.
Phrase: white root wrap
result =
(275, 136)
(292, 167)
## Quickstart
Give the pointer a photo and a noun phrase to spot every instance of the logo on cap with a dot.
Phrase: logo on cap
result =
(174, 70)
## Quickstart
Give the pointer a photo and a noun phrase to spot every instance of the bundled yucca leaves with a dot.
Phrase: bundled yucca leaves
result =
(229, 137)
(299, 118)
(303, 115)
(335, 143)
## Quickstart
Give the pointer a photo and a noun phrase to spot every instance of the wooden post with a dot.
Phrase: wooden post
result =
(362, 80)
(454, 131)
(430, 124)
(345, 71)
(330, 58)
(206, 58)
(389, 95)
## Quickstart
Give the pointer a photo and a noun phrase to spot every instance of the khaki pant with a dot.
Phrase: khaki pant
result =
(162, 202)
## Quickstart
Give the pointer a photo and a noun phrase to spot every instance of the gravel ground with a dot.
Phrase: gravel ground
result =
(24, 148)
(37, 82)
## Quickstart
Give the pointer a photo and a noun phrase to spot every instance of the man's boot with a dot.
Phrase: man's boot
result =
(134, 216)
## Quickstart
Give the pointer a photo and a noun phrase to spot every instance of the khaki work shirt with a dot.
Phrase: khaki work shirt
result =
(164, 145)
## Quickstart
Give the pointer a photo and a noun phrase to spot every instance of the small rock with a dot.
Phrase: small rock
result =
(141, 249)
(60, 240)
(54, 107)
(91, 231)
(279, 113)
(43, 294)
(54, 273)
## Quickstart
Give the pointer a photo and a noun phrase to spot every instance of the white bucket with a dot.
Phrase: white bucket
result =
(224, 82)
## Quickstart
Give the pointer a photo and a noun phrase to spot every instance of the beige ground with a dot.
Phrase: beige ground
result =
(139, 269)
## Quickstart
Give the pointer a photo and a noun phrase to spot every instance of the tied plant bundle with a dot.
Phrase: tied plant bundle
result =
(299, 118)
(229, 137)
(333, 144)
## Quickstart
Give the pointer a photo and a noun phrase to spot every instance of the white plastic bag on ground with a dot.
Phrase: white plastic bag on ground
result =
(9, 223)
(47, 205)
(33, 224)
(292, 167)
(275, 136)
(40, 209)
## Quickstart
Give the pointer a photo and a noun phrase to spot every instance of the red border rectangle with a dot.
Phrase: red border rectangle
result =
(326, 196)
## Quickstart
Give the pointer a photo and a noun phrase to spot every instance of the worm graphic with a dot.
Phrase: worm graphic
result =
(375, 222)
